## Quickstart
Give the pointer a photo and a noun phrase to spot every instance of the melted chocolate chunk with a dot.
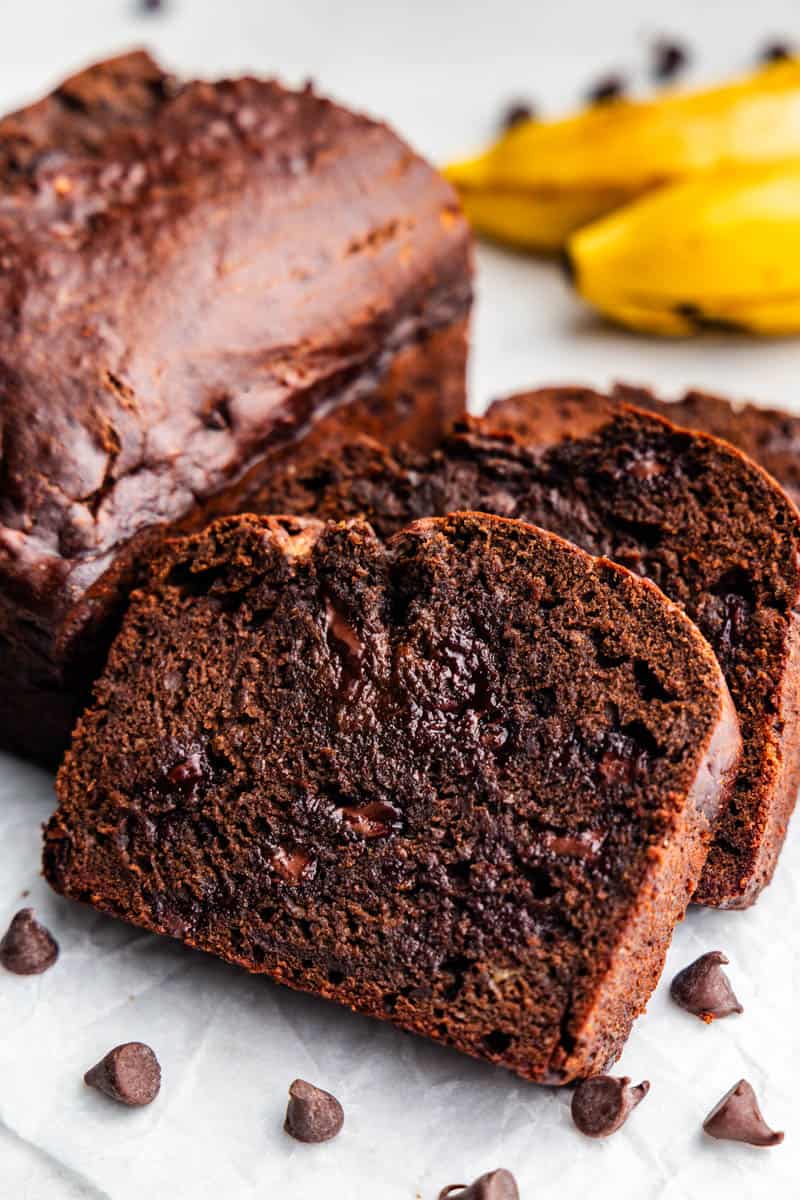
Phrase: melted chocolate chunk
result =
(187, 772)
(374, 820)
(293, 866)
(129, 1074)
(737, 1118)
(27, 947)
(704, 989)
(311, 1114)
(496, 1185)
(602, 1105)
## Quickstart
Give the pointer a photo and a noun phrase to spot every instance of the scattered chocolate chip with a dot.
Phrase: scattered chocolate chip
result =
(737, 1118)
(602, 1105)
(704, 989)
(129, 1073)
(776, 52)
(344, 640)
(516, 114)
(496, 1185)
(27, 947)
(311, 1114)
(669, 59)
(611, 87)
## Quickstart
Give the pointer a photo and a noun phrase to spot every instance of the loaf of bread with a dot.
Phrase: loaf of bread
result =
(196, 280)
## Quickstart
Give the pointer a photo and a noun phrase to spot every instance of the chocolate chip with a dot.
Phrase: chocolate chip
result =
(602, 1105)
(129, 1073)
(293, 866)
(704, 989)
(669, 59)
(737, 1118)
(311, 1114)
(611, 87)
(27, 947)
(496, 1185)
(151, 6)
(516, 114)
(187, 772)
(377, 819)
(776, 52)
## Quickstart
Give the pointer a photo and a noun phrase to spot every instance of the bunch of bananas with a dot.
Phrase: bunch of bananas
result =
(675, 215)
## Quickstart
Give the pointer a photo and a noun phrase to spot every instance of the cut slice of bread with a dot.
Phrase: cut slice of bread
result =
(463, 779)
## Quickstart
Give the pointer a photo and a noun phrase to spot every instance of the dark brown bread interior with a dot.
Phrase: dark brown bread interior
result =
(196, 278)
(462, 780)
(686, 510)
(767, 435)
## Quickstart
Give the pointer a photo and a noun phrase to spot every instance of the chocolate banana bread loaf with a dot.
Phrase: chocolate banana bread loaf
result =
(686, 510)
(769, 436)
(195, 279)
(462, 780)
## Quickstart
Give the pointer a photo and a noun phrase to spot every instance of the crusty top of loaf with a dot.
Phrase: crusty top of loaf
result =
(186, 271)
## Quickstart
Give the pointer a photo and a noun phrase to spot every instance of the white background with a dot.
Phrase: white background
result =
(418, 1116)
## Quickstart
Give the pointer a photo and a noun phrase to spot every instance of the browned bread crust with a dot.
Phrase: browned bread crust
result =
(194, 277)
(462, 780)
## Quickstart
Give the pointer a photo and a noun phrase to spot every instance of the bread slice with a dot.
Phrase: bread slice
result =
(462, 780)
(719, 537)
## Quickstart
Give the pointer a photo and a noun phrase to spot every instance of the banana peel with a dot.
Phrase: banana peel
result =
(543, 180)
(717, 252)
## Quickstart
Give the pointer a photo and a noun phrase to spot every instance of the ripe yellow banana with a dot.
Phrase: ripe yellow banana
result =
(542, 180)
(719, 251)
